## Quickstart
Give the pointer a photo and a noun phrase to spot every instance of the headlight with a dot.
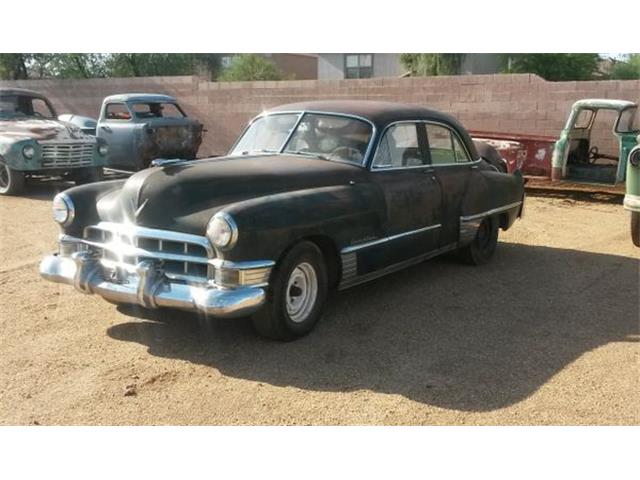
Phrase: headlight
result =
(103, 149)
(222, 231)
(634, 157)
(63, 209)
(28, 151)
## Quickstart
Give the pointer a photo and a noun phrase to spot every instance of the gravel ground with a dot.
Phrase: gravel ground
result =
(546, 334)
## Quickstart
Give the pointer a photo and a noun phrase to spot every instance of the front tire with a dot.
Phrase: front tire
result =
(11, 181)
(297, 294)
(484, 244)
(87, 175)
(635, 228)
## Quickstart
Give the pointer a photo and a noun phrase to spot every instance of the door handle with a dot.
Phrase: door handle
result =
(105, 128)
(431, 173)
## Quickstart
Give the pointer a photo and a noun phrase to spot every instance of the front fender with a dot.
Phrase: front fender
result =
(268, 225)
(85, 200)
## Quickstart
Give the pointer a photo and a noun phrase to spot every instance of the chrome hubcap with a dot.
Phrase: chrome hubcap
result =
(302, 291)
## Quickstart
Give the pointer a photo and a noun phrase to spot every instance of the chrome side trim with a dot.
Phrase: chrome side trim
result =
(349, 266)
(249, 265)
(378, 241)
(493, 211)
(395, 267)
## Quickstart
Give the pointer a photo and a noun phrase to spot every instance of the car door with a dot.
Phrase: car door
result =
(116, 126)
(453, 168)
(412, 198)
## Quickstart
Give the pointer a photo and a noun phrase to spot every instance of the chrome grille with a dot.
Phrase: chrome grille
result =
(181, 256)
(79, 154)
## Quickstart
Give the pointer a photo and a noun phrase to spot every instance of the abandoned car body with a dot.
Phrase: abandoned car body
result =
(33, 142)
(574, 155)
(141, 127)
(312, 196)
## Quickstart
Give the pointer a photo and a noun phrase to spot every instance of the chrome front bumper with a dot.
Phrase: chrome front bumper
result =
(150, 288)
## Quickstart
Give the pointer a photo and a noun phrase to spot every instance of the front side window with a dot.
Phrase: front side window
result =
(24, 106)
(117, 111)
(157, 110)
(444, 146)
(399, 148)
(358, 65)
(628, 122)
(327, 136)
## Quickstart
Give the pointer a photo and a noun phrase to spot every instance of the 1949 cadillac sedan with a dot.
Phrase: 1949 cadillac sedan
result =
(313, 196)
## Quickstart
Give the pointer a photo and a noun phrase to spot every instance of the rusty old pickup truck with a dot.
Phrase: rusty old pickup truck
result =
(142, 127)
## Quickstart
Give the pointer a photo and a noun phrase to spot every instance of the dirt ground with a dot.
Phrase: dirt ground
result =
(545, 334)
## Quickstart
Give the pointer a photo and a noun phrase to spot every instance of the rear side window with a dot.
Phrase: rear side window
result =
(117, 111)
(444, 146)
(399, 148)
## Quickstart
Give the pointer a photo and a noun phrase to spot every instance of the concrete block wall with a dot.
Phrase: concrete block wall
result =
(503, 103)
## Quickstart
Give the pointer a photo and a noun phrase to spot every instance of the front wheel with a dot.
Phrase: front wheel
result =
(297, 294)
(484, 244)
(11, 181)
(87, 175)
(635, 228)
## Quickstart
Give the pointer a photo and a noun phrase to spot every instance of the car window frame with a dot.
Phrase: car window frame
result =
(452, 131)
(107, 119)
(421, 136)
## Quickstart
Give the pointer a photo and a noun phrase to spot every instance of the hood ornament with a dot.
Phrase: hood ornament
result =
(162, 162)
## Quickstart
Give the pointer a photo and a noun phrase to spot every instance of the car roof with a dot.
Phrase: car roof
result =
(379, 113)
(140, 97)
(603, 103)
(21, 91)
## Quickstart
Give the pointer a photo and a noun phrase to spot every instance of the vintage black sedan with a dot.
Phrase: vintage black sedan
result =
(313, 196)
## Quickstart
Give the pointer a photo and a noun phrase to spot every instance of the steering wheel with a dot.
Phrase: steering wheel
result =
(593, 154)
(346, 153)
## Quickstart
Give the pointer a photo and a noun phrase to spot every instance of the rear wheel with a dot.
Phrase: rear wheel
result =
(11, 181)
(635, 228)
(297, 294)
(484, 244)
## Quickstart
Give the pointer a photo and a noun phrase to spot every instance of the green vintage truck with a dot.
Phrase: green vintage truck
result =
(632, 196)
(33, 142)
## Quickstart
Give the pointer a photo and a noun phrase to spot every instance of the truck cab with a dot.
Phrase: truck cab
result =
(142, 127)
(577, 155)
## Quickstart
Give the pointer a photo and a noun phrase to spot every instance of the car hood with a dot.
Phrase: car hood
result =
(40, 129)
(183, 196)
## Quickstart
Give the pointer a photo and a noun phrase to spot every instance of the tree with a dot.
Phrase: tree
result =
(554, 66)
(13, 66)
(627, 70)
(428, 64)
(250, 67)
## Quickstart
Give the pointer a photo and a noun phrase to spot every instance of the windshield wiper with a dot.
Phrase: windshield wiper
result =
(310, 154)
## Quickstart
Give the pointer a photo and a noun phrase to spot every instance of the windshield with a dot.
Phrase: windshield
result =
(327, 136)
(13, 106)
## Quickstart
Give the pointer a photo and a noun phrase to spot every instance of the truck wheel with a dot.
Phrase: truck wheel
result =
(484, 244)
(11, 181)
(297, 294)
(635, 228)
(87, 175)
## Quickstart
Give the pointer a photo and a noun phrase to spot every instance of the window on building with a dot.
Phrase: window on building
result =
(358, 65)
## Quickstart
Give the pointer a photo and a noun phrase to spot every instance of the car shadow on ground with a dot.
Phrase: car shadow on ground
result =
(440, 333)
